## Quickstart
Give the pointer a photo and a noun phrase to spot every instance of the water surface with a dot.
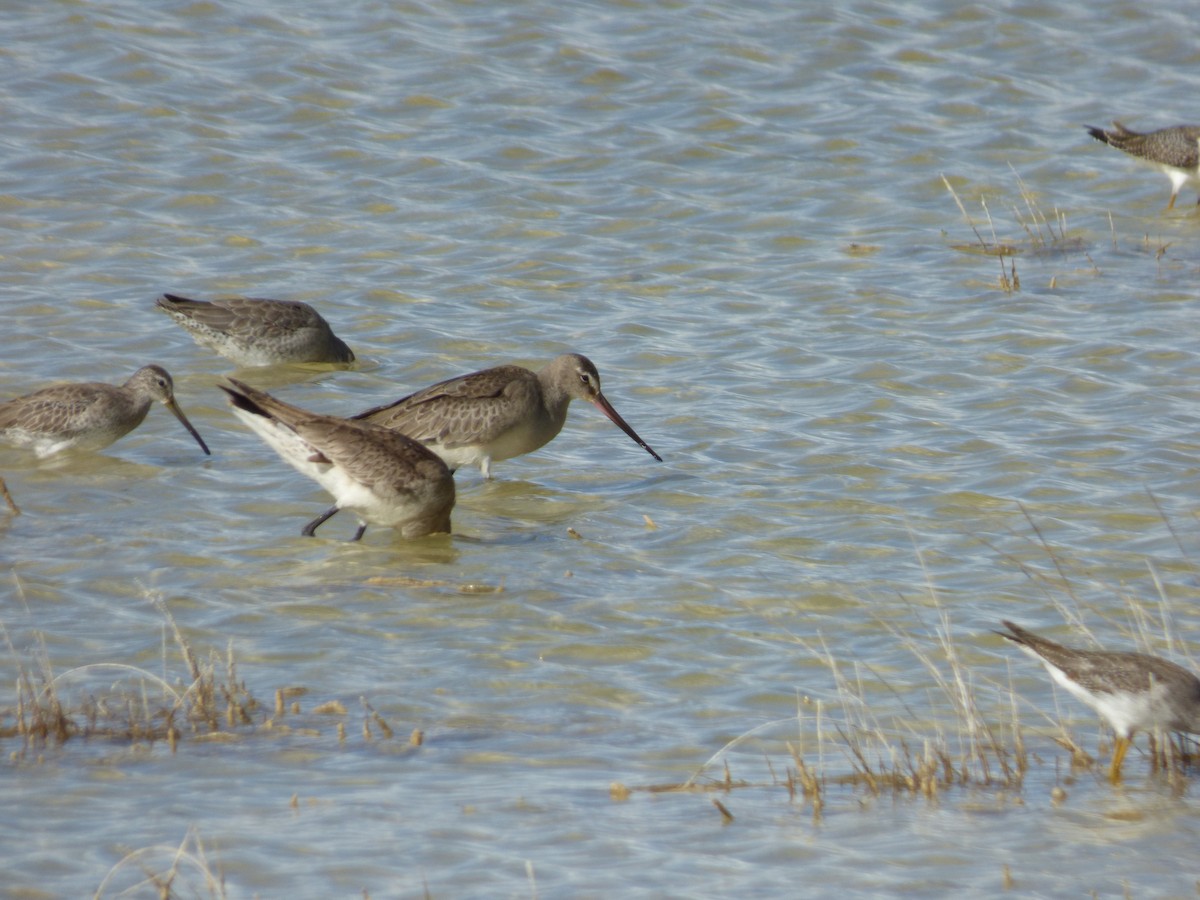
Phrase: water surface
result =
(740, 216)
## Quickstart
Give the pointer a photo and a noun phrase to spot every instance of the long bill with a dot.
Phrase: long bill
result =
(607, 408)
(174, 407)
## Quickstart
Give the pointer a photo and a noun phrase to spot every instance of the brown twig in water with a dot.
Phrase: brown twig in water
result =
(16, 510)
(1008, 282)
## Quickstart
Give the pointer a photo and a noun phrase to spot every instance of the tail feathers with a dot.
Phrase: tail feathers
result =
(1005, 634)
(244, 401)
(260, 403)
(276, 423)
(1114, 136)
(1017, 634)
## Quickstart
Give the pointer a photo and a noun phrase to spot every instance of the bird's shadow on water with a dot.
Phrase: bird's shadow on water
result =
(69, 483)
(517, 512)
(81, 464)
(487, 513)
(277, 377)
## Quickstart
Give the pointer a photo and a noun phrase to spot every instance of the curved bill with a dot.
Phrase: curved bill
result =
(174, 407)
(605, 407)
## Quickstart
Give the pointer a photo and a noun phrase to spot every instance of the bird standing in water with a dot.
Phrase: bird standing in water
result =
(88, 415)
(258, 332)
(497, 413)
(1131, 691)
(1174, 151)
(383, 477)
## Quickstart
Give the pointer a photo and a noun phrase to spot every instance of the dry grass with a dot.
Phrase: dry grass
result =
(844, 744)
(965, 732)
(951, 742)
(121, 702)
(1005, 253)
(1149, 627)
(1043, 234)
(968, 734)
(200, 699)
(165, 872)
(197, 698)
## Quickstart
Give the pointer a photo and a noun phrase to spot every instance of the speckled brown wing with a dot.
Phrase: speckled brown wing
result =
(1101, 671)
(258, 331)
(397, 470)
(1111, 671)
(1174, 146)
(380, 459)
(59, 409)
(470, 409)
(239, 316)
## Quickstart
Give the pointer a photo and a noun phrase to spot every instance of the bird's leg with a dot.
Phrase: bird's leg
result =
(362, 528)
(310, 529)
(1120, 748)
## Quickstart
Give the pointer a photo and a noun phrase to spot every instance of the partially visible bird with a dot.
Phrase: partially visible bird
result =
(1174, 151)
(1131, 691)
(258, 332)
(497, 413)
(383, 477)
(88, 415)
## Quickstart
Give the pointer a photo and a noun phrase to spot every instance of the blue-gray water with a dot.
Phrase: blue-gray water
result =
(739, 214)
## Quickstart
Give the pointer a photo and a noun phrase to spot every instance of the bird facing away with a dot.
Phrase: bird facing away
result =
(1130, 691)
(88, 415)
(258, 332)
(1174, 151)
(383, 477)
(497, 413)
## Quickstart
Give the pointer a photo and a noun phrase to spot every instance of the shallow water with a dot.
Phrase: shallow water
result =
(740, 216)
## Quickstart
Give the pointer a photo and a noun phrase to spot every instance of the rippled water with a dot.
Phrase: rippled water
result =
(740, 216)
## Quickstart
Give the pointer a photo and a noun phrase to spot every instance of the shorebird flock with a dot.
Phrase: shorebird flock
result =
(393, 465)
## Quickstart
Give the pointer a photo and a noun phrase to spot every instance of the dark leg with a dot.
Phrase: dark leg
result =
(362, 528)
(310, 529)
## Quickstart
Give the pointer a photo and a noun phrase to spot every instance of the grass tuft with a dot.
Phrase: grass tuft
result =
(164, 871)
(197, 698)
(1044, 234)
(969, 735)
(8, 500)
